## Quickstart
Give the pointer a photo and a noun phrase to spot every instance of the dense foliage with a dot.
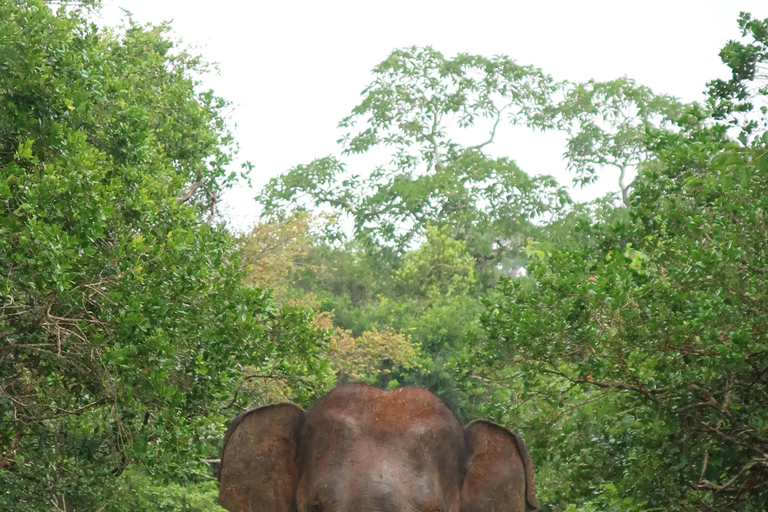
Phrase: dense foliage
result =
(644, 346)
(126, 331)
(640, 334)
(631, 351)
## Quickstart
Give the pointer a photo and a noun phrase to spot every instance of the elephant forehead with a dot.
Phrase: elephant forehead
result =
(362, 410)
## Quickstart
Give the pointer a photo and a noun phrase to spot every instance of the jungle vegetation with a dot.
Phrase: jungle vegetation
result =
(625, 339)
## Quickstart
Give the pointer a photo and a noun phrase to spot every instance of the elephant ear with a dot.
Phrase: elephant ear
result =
(498, 472)
(259, 468)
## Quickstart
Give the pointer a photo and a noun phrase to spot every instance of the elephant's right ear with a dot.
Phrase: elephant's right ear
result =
(259, 468)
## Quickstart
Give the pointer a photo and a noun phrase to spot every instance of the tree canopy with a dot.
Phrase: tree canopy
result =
(125, 323)
(639, 333)
(421, 108)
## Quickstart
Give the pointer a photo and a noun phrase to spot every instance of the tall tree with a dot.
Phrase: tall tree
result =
(125, 328)
(423, 109)
(636, 345)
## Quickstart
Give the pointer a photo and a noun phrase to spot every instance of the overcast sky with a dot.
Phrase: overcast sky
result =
(293, 69)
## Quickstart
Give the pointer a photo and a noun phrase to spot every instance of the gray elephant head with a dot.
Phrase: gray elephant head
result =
(360, 449)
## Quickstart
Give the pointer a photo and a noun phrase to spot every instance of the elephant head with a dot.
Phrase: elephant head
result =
(360, 449)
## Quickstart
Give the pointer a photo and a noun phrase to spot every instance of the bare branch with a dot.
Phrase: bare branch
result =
(624, 188)
(438, 162)
(214, 199)
(183, 198)
(704, 466)
(606, 385)
(709, 486)
(493, 131)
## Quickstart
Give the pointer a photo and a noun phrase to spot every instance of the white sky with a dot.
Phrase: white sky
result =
(293, 69)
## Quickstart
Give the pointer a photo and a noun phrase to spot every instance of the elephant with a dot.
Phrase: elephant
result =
(362, 449)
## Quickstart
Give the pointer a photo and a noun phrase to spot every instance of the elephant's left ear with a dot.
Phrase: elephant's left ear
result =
(499, 471)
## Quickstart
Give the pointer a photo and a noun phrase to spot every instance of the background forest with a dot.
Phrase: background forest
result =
(625, 339)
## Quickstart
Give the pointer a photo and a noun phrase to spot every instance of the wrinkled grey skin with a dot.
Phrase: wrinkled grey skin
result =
(360, 449)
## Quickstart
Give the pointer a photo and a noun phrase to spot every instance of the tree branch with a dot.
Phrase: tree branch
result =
(624, 188)
(493, 131)
(183, 198)
(214, 199)
(435, 150)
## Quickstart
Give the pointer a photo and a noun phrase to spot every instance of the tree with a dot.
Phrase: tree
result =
(440, 267)
(635, 348)
(270, 251)
(421, 107)
(125, 326)
(734, 100)
(607, 125)
(371, 356)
